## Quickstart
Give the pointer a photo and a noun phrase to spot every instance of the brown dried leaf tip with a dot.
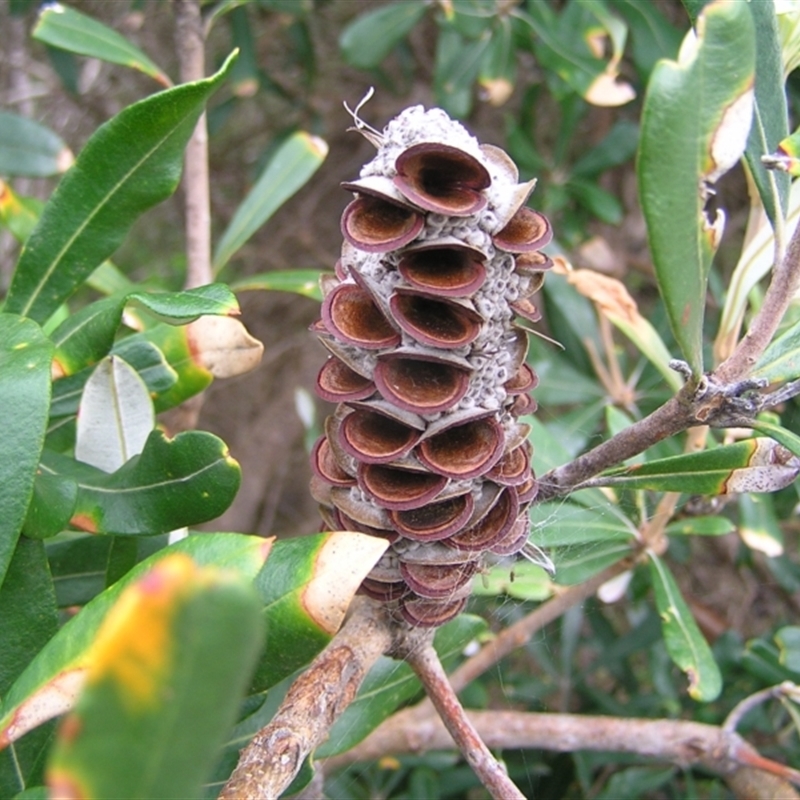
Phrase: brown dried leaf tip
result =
(428, 368)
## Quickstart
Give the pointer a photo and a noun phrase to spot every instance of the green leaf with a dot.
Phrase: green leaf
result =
(617, 147)
(129, 164)
(788, 639)
(18, 214)
(25, 355)
(328, 570)
(68, 29)
(61, 663)
(367, 40)
(29, 620)
(29, 149)
(295, 161)
(781, 360)
(752, 465)
(701, 526)
(577, 563)
(566, 524)
(389, 684)
(306, 587)
(770, 114)
(695, 123)
(457, 64)
(685, 644)
(52, 506)
(165, 679)
(523, 581)
(115, 416)
(172, 483)
(178, 356)
(180, 308)
(758, 524)
(299, 281)
(86, 336)
(791, 441)
(652, 35)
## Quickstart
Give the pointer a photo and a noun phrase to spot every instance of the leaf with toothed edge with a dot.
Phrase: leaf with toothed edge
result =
(129, 164)
(314, 598)
(165, 677)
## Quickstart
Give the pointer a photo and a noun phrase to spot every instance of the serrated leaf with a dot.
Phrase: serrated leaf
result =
(173, 482)
(49, 685)
(68, 29)
(306, 587)
(166, 674)
(685, 644)
(695, 123)
(115, 416)
(295, 161)
(128, 165)
(367, 40)
(328, 569)
(299, 281)
(752, 465)
(29, 149)
(25, 355)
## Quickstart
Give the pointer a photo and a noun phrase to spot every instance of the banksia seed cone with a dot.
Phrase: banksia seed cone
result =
(428, 369)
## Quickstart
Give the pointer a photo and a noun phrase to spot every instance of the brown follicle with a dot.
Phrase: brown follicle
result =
(426, 451)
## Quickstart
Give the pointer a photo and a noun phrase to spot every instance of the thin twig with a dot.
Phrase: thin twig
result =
(425, 663)
(680, 742)
(190, 45)
(782, 288)
(742, 708)
(315, 700)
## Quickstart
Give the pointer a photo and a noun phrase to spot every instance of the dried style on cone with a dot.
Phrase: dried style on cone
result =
(426, 448)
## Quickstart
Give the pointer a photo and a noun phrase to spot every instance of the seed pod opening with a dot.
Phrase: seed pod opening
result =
(513, 468)
(420, 385)
(443, 269)
(375, 438)
(441, 178)
(351, 314)
(376, 226)
(526, 230)
(437, 323)
(433, 521)
(437, 580)
(399, 489)
(492, 528)
(464, 451)
(337, 383)
(327, 467)
(418, 611)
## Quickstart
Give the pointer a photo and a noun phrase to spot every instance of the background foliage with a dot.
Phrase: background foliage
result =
(87, 509)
